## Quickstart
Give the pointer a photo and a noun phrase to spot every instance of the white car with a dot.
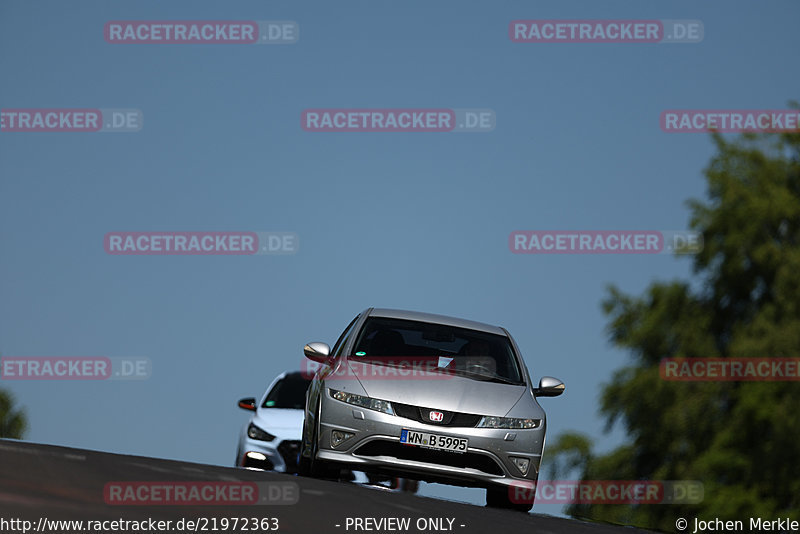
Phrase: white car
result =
(270, 439)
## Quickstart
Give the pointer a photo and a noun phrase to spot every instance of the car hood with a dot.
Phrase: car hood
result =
(282, 422)
(445, 392)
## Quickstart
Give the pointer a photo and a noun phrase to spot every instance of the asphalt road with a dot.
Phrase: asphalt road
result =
(43, 482)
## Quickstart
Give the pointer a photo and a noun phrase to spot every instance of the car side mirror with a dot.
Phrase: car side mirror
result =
(549, 387)
(318, 352)
(248, 403)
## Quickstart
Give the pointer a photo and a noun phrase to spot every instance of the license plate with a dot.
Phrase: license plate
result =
(433, 441)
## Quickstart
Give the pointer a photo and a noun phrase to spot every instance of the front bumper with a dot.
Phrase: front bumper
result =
(375, 446)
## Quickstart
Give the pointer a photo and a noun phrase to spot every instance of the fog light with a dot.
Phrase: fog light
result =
(256, 456)
(338, 437)
(521, 463)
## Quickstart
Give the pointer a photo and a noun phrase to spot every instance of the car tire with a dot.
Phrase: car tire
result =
(499, 498)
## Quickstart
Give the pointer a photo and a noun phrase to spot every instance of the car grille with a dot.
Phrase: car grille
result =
(393, 449)
(289, 449)
(422, 415)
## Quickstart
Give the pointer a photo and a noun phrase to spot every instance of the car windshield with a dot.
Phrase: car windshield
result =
(462, 351)
(288, 392)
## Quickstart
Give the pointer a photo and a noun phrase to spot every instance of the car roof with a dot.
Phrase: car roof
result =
(438, 319)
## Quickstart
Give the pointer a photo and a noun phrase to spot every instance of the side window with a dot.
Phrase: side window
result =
(342, 341)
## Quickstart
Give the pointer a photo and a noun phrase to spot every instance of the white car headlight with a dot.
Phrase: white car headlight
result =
(362, 401)
(260, 434)
(508, 422)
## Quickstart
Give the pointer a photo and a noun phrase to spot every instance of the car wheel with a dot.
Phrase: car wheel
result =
(500, 498)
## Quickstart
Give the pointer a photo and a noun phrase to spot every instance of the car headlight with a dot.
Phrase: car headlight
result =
(508, 422)
(362, 401)
(256, 433)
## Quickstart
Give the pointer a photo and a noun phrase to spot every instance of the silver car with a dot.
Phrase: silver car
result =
(270, 440)
(429, 397)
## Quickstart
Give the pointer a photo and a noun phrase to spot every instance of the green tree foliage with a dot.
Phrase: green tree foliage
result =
(740, 439)
(12, 420)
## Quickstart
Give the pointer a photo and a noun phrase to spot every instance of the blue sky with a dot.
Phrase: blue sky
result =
(407, 220)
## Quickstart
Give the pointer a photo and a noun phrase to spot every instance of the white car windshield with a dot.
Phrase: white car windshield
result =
(288, 392)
